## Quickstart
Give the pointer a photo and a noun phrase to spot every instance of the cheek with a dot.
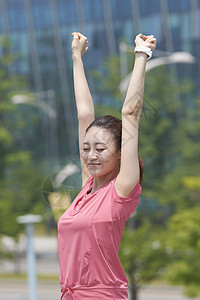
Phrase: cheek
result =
(110, 158)
(84, 155)
(115, 159)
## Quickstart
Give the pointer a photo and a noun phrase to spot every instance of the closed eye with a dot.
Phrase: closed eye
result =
(100, 150)
(85, 149)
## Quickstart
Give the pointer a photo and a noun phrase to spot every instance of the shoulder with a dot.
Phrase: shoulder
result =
(123, 207)
(133, 194)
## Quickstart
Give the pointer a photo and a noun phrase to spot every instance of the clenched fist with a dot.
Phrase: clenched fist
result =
(79, 44)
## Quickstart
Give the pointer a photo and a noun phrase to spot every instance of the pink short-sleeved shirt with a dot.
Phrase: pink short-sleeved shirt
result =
(89, 235)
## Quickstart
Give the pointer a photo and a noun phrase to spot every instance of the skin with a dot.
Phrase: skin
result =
(100, 156)
(129, 173)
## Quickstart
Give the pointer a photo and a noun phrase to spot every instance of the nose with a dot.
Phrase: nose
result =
(92, 155)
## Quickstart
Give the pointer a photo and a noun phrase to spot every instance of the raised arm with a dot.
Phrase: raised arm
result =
(84, 102)
(129, 173)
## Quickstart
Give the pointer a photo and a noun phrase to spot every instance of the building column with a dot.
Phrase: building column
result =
(109, 27)
(194, 18)
(33, 46)
(165, 27)
(136, 17)
(80, 14)
(62, 73)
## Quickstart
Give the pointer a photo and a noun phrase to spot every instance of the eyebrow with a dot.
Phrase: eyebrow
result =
(94, 143)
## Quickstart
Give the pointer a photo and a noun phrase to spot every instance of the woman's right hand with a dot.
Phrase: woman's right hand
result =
(79, 44)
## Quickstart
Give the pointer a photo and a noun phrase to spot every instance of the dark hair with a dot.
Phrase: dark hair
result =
(114, 126)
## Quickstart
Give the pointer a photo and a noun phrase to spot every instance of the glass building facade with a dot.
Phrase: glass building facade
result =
(40, 30)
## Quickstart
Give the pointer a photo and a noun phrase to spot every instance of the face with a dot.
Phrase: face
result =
(99, 152)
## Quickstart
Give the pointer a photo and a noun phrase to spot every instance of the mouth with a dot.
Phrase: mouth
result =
(93, 165)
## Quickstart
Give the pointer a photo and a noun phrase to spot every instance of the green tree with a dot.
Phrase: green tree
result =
(20, 180)
(143, 255)
(184, 241)
(174, 191)
(20, 194)
(9, 83)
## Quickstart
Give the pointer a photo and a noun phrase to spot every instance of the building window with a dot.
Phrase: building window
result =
(93, 10)
(121, 9)
(149, 7)
(198, 26)
(67, 11)
(152, 25)
(42, 14)
(1, 26)
(46, 49)
(178, 5)
(20, 46)
(16, 15)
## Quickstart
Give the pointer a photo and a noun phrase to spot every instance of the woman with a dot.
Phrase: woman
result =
(90, 230)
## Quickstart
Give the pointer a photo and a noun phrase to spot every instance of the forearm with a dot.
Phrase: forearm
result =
(134, 97)
(84, 101)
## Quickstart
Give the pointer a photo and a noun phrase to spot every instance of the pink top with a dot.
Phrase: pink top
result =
(89, 234)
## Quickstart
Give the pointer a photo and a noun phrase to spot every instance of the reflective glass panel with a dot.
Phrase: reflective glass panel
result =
(93, 10)
(178, 5)
(20, 46)
(16, 15)
(198, 24)
(149, 7)
(67, 11)
(152, 25)
(121, 9)
(42, 14)
(1, 25)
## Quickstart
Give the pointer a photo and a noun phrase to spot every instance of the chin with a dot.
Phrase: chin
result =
(95, 174)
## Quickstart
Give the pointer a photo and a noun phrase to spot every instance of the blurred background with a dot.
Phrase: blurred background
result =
(39, 162)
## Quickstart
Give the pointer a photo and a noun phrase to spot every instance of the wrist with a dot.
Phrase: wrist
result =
(76, 55)
(145, 50)
(142, 55)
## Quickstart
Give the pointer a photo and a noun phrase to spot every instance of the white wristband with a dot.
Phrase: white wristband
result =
(146, 50)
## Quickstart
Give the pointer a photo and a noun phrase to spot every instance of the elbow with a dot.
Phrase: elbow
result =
(87, 115)
(127, 111)
(133, 109)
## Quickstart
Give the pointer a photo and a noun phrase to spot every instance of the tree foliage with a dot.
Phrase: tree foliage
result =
(143, 254)
(184, 240)
(20, 180)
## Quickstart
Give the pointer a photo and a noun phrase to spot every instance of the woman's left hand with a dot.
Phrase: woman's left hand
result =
(142, 40)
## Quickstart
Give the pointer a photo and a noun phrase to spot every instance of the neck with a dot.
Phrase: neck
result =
(98, 182)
